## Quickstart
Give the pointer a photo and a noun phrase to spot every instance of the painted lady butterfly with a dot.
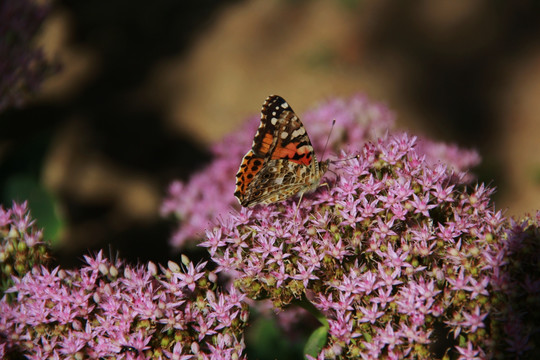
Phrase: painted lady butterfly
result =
(281, 162)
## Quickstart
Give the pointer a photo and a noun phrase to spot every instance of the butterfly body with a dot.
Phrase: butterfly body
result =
(281, 162)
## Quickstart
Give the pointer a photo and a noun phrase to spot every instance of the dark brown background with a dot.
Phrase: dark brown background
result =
(147, 86)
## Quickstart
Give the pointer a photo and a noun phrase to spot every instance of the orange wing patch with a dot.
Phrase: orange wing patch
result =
(250, 166)
(300, 155)
(266, 143)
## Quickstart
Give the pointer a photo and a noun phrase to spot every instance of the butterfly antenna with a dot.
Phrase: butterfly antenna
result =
(328, 139)
(357, 156)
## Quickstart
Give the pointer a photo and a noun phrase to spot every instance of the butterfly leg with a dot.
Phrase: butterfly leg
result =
(298, 205)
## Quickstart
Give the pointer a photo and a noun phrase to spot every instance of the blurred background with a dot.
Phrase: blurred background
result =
(131, 94)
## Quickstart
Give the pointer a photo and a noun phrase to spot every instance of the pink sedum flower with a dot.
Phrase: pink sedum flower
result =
(377, 251)
(394, 253)
(209, 193)
(107, 309)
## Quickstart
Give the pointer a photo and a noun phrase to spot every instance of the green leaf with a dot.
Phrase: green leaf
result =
(307, 305)
(265, 341)
(20, 187)
(316, 342)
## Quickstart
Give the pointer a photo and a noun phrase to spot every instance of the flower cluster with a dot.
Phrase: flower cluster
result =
(110, 310)
(396, 255)
(390, 250)
(518, 290)
(209, 193)
(23, 67)
(22, 247)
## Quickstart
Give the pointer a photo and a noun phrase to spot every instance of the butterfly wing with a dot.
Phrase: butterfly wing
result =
(276, 182)
(280, 160)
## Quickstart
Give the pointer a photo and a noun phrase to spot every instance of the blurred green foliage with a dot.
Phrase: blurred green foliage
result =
(21, 187)
(266, 341)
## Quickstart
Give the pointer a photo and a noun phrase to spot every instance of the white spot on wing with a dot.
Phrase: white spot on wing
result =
(285, 105)
(298, 132)
(284, 135)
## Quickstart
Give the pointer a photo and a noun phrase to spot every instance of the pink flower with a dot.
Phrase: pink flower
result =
(109, 309)
(359, 247)
(474, 319)
(370, 314)
(189, 278)
(208, 194)
(469, 353)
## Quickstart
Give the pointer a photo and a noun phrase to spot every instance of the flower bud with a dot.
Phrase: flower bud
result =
(103, 269)
(113, 271)
(185, 260)
(174, 267)
(107, 289)
(76, 325)
(62, 274)
(210, 296)
(127, 273)
(13, 233)
(152, 268)
(244, 315)
(194, 348)
(21, 246)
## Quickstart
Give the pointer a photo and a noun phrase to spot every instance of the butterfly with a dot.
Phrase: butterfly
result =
(281, 162)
